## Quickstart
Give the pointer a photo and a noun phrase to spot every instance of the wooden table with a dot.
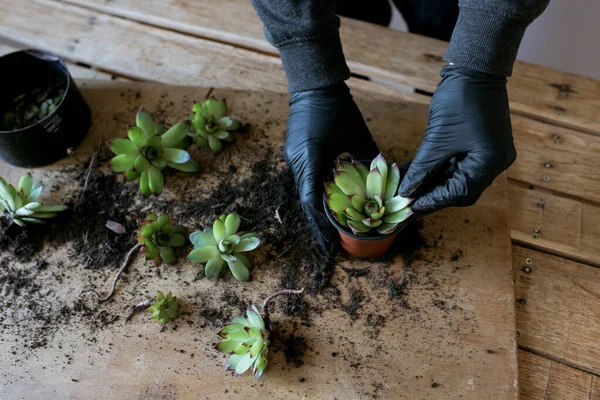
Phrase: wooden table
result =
(453, 328)
(553, 187)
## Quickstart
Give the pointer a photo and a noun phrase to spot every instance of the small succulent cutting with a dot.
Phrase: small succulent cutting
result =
(160, 239)
(165, 308)
(363, 199)
(149, 150)
(247, 339)
(21, 206)
(224, 244)
(212, 125)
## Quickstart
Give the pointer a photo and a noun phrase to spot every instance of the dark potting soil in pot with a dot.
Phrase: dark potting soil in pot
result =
(28, 108)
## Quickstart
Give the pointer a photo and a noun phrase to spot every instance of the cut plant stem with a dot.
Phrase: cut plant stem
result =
(118, 275)
(273, 296)
(89, 172)
(139, 307)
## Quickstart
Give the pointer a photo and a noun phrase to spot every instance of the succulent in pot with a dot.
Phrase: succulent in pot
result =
(364, 205)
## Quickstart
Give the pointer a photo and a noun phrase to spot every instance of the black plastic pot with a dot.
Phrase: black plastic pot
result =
(47, 140)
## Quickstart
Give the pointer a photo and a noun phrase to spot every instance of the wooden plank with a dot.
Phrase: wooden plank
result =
(533, 376)
(543, 379)
(469, 267)
(396, 56)
(566, 383)
(130, 49)
(564, 226)
(556, 158)
(557, 308)
(76, 71)
(595, 389)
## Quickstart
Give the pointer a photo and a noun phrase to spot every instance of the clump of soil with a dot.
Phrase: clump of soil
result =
(354, 303)
(84, 226)
(21, 243)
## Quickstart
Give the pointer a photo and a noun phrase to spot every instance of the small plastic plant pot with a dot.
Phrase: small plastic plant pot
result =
(362, 246)
(48, 139)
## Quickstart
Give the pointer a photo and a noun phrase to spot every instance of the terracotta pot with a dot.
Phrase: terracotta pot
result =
(371, 246)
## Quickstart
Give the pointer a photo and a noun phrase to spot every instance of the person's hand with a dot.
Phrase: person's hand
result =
(323, 124)
(467, 144)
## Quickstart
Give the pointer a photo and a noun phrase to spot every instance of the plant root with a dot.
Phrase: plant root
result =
(139, 307)
(270, 298)
(89, 172)
(118, 275)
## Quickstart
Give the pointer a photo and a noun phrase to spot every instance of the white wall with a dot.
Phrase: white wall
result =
(566, 37)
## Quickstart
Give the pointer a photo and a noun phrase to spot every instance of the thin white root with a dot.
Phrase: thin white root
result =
(273, 296)
(118, 275)
(139, 307)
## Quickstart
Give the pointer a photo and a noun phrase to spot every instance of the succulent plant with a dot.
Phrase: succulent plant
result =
(247, 339)
(363, 199)
(165, 308)
(149, 150)
(211, 124)
(21, 206)
(224, 244)
(160, 239)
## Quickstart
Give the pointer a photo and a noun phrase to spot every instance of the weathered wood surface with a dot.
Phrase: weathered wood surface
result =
(557, 308)
(556, 224)
(121, 46)
(429, 342)
(375, 51)
(544, 379)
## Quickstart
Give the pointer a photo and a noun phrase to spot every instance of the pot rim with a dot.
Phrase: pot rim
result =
(351, 234)
(45, 56)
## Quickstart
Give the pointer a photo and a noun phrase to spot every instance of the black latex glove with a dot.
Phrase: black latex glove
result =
(322, 124)
(467, 144)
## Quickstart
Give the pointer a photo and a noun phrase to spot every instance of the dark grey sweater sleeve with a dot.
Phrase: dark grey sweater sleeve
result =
(306, 33)
(488, 33)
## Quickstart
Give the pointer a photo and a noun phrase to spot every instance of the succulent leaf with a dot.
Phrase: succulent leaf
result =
(393, 181)
(189, 166)
(396, 203)
(232, 223)
(203, 254)
(386, 228)
(374, 183)
(25, 184)
(143, 119)
(398, 216)
(337, 202)
(122, 162)
(352, 171)
(213, 268)
(211, 125)
(348, 185)
(362, 169)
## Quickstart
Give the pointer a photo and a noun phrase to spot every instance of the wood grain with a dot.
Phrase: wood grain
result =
(543, 379)
(534, 372)
(375, 51)
(564, 226)
(76, 71)
(557, 308)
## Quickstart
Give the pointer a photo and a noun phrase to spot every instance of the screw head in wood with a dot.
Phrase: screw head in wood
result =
(546, 178)
(528, 261)
(527, 270)
(547, 165)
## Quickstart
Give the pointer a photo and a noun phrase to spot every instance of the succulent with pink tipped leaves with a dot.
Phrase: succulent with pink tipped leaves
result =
(363, 199)
(149, 150)
(224, 244)
(247, 339)
(21, 206)
(165, 309)
(212, 125)
(160, 239)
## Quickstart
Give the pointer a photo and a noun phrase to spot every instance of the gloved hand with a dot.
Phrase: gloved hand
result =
(467, 144)
(322, 124)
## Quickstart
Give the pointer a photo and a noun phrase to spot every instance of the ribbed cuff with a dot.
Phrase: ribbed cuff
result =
(486, 41)
(313, 63)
